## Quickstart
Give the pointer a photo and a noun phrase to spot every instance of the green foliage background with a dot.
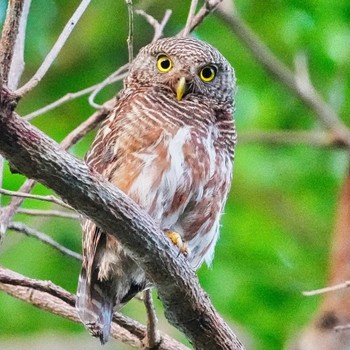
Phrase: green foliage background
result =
(278, 220)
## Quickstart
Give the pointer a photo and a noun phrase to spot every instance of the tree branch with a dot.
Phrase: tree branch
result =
(17, 64)
(54, 213)
(49, 198)
(208, 7)
(47, 296)
(303, 89)
(6, 214)
(310, 138)
(20, 227)
(39, 157)
(9, 36)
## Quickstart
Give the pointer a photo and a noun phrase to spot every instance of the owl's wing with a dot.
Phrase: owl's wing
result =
(109, 278)
(95, 296)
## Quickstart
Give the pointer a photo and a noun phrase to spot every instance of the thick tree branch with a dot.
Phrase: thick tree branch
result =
(38, 157)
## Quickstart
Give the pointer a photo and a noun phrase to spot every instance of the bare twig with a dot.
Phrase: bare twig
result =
(49, 59)
(55, 213)
(47, 296)
(190, 16)
(334, 288)
(115, 76)
(130, 40)
(66, 98)
(310, 138)
(49, 198)
(305, 91)
(158, 27)
(152, 338)
(208, 7)
(20, 227)
(345, 327)
(9, 36)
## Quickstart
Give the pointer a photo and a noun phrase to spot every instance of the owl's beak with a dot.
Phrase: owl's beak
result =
(180, 88)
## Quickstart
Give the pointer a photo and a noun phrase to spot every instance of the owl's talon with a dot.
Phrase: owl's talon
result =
(177, 241)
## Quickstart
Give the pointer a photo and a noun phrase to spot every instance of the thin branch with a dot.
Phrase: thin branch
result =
(121, 73)
(130, 40)
(305, 91)
(152, 339)
(208, 7)
(190, 16)
(334, 288)
(20, 227)
(310, 138)
(55, 213)
(342, 328)
(49, 198)
(57, 47)
(9, 36)
(47, 296)
(66, 98)
(158, 27)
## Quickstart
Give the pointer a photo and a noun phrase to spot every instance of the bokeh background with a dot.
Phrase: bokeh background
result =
(276, 231)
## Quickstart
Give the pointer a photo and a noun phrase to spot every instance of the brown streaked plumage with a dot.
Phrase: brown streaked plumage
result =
(169, 145)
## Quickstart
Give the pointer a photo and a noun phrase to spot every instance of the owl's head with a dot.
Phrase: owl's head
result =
(186, 67)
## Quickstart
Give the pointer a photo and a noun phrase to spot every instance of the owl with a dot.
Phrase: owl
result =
(169, 145)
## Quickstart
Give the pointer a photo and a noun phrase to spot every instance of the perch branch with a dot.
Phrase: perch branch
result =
(57, 47)
(20, 227)
(302, 88)
(40, 158)
(47, 296)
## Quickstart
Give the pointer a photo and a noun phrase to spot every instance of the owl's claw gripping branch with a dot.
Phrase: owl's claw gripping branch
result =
(177, 241)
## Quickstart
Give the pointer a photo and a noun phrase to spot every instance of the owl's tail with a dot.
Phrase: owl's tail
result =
(95, 303)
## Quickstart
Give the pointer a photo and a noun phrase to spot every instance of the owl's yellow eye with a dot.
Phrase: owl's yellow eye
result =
(164, 63)
(207, 73)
